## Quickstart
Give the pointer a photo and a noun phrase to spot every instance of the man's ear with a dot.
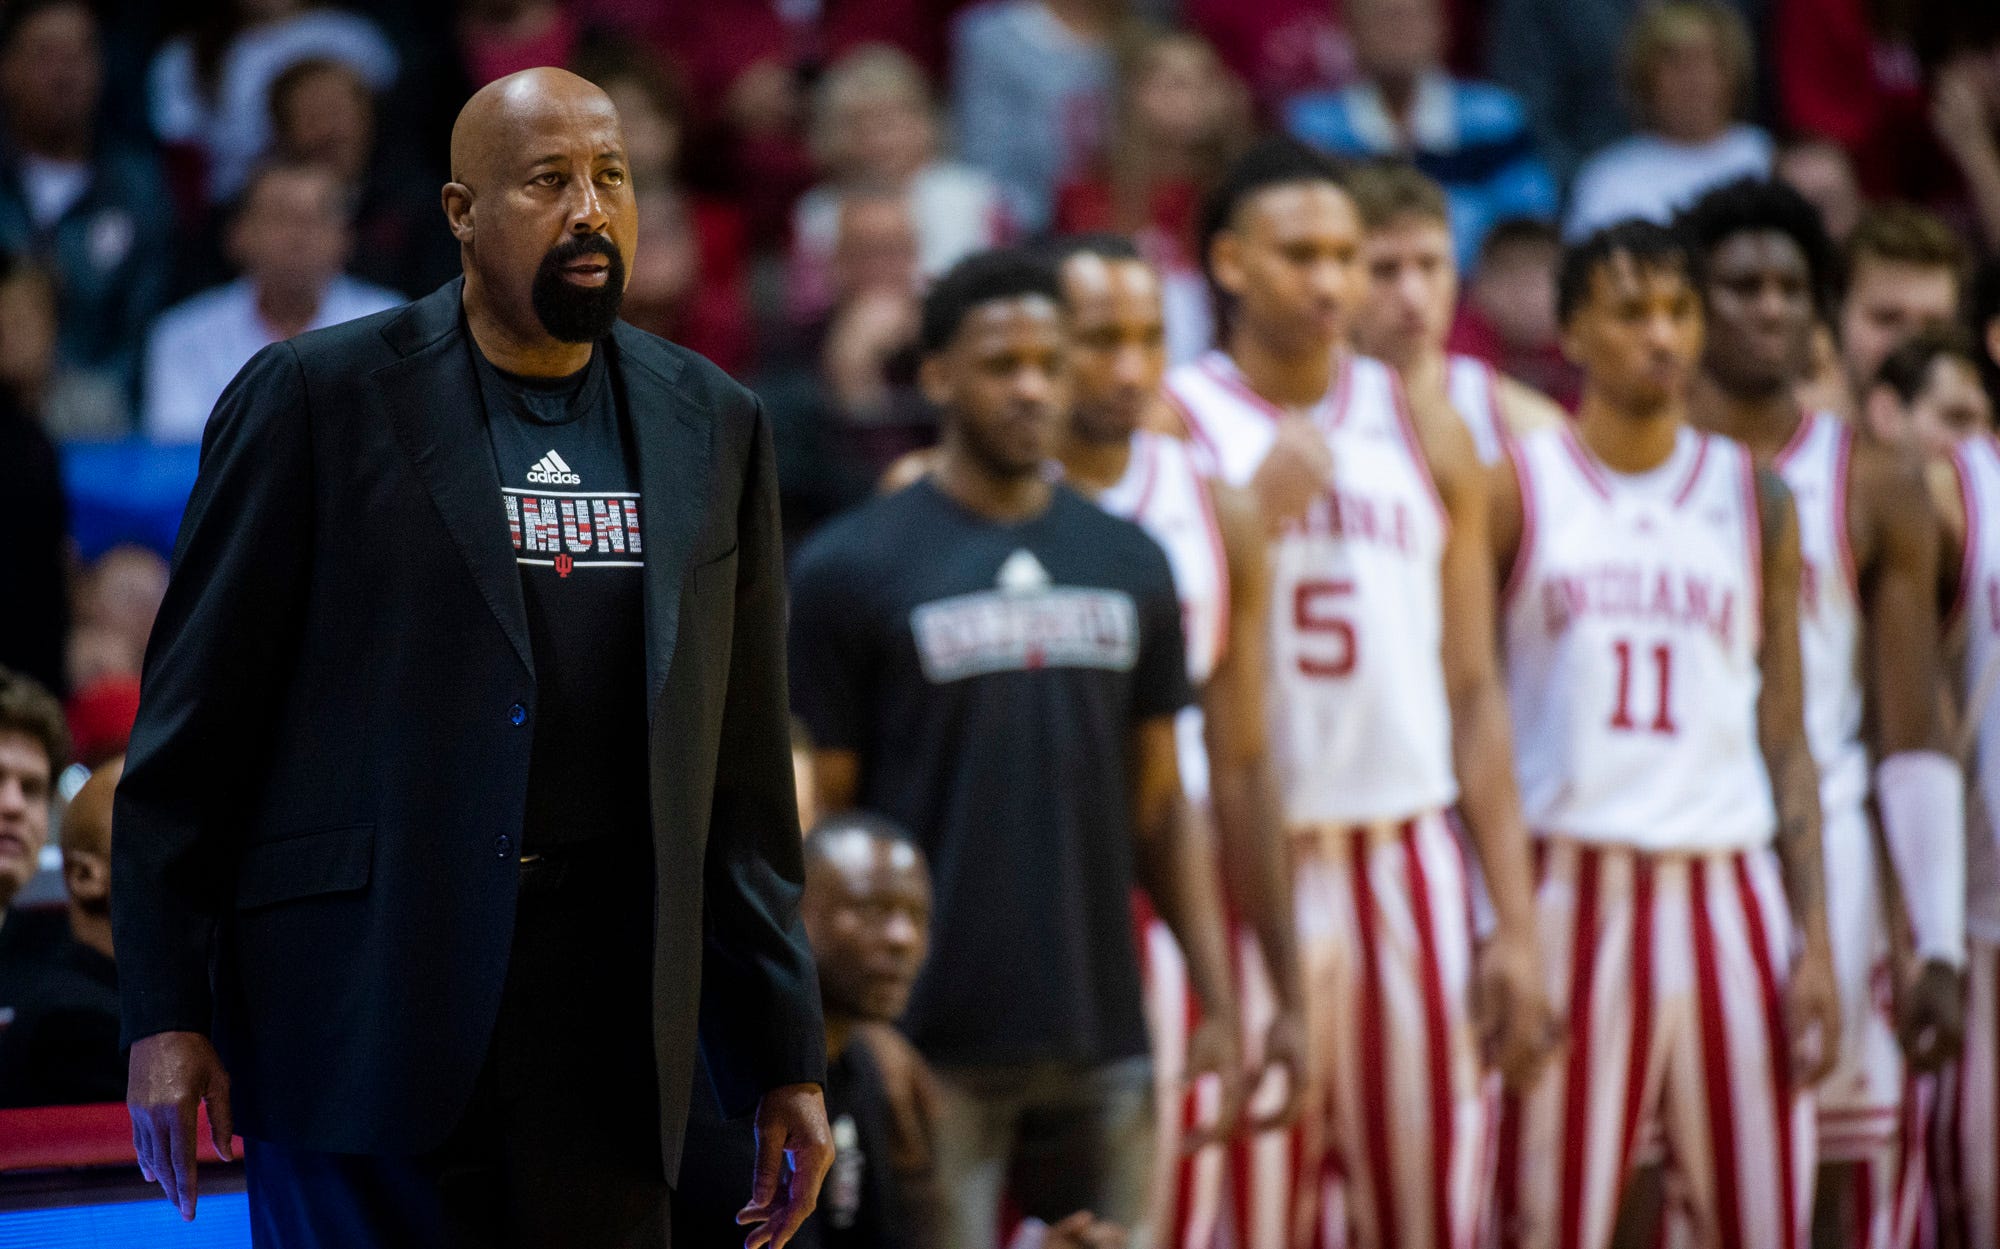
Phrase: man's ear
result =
(934, 378)
(86, 876)
(1225, 261)
(458, 210)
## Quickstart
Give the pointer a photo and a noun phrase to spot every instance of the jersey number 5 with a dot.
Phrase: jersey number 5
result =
(1663, 666)
(1315, 613)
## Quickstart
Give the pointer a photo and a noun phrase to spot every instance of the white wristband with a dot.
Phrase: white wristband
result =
(1921, 795)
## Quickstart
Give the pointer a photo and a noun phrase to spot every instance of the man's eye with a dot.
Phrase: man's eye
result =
(615, 177)
(548, 179)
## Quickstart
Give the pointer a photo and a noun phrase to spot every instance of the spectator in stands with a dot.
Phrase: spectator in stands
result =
(290, 240)
(502, 37)
(1927, 394)
(34, 560)
(874, 125)
(1180, 118)
(1904, 270)
(62, 1047)
(1031, 83)
(1508, 318)
(323, 112)
(1471, 137)
(997, 663)
(34, 747)
(689, 282)
(95, 214)
(210, 87)
(1277, 48)
(1965, 112)
(1687, 69)
(1822, 171)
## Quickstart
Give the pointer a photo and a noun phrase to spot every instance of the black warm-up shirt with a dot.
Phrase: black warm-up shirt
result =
(990, 677)
(569, 486)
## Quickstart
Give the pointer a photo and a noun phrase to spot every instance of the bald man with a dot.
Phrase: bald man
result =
(460, 793)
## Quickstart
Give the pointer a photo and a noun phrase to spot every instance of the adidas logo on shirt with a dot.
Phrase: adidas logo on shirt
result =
(550, 470)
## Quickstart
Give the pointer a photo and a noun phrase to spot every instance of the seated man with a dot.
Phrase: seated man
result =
(62, 1048)
(866, 907)
(34, 747)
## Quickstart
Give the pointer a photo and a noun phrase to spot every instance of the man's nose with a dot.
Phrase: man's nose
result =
(587, 214)
(13, 797)
(900, 931)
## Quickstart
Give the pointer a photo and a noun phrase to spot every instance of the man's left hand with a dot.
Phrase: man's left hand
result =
(1930, 1016)
(1812, 1014)
(794, 1150)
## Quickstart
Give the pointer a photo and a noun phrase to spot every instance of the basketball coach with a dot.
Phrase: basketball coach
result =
(461, 783)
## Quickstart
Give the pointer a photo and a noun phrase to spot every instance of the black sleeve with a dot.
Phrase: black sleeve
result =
(215, 667)
(760, 1014)
(829, 644)
(34, 566)
(1160, 681)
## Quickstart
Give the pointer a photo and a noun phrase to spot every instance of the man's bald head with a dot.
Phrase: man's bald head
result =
(541, 204)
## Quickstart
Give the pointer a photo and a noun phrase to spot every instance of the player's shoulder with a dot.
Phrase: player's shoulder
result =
(1524, 409)
(869, 538)
(1121, 547)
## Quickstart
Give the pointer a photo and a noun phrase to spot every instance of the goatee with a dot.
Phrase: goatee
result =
(572, 313)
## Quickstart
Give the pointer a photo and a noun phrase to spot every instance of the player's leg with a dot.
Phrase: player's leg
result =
(1262, 1167)
(1185, 1188)
(1740, 1138)
(1966, 1161)
(1412, 1120)
(1860, 1102)
(1324, 913)
(1566, 1146)
(972, 1145)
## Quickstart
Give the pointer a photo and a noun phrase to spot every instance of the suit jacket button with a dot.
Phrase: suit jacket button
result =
(517, 715)
(503, 845)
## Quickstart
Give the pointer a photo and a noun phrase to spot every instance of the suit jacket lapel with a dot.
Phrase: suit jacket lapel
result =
(433, 398)
(672, 440)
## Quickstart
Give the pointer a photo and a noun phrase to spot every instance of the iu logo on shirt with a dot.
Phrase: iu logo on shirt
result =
(569, 530)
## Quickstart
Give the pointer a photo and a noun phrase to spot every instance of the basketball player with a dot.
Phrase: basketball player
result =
(1386, 708)
(1919, 398)
(1412, 292)
(1650, 623)
(1868, 604)
(1215, 542)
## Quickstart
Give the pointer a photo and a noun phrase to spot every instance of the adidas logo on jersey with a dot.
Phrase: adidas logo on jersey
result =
(550, 470)
(1022, 573)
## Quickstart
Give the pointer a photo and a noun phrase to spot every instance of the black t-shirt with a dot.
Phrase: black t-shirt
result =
(62, 1047)
(569, 484)
(990, 677)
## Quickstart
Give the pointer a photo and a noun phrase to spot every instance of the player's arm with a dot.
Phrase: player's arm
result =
(1941, 486)
(1919, 789)
(1510, 996)
(1176, 867)
(1524, 409)
(1255, 860)
(1812, 1003)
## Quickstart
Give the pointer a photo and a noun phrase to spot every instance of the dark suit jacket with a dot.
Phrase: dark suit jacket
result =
(320, 817)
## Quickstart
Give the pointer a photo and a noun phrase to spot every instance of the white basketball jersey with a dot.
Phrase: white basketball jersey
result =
(1631, 626)
(1165, 493)
(1979, 608)
(1361, 728)
(1814, 465)
(1475, 393)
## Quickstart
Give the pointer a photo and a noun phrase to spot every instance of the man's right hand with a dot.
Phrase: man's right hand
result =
(1295, 471)
(172, 1074)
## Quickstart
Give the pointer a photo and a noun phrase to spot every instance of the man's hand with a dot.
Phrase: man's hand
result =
(1212, 1052)
(1084, 1230)
(1812, 1014)
(791, 1129)
(1930, 1016)
(1285, 1053)
(1294, 472)
(171, 1075)
(1510, 1006)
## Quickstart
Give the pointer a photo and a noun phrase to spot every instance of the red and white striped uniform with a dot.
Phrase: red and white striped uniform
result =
(1632, 624)
(1475, 394)
(1165, 492)
(1861, 1101)
(1967, 1162)
(1361, 741)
